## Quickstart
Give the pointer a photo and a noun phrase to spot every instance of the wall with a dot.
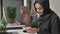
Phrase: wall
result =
(55, 6)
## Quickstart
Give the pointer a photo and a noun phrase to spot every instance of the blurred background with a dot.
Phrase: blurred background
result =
(54, 5)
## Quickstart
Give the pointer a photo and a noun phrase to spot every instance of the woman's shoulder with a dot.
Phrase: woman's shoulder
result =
(54, 15)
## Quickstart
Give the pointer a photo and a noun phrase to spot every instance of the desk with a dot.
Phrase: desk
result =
(17, 31)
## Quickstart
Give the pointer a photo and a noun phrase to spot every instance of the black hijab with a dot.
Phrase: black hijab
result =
(45, 5)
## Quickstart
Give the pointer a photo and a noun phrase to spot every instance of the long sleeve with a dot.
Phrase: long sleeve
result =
(34, 22)
(48, 27)
(54, 20)
(54, 25)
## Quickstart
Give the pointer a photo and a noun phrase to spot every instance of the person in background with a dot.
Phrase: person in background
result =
(45, 20)
(26, 19)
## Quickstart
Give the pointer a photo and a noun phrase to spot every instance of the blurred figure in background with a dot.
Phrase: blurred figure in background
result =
(25, 18)
(25, 15)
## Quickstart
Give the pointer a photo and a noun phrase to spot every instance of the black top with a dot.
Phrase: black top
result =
(48, 23)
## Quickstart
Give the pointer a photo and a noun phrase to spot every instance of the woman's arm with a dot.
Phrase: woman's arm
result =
(34, 22)
(33, 26)
(54, 25)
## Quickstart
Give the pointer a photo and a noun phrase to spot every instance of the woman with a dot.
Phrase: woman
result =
(25, 15)
(45, 20)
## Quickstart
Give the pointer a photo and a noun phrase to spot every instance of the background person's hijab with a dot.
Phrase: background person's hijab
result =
(44, 4)
(26, 15)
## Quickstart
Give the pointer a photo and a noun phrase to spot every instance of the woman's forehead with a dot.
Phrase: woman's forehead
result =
(38, 5)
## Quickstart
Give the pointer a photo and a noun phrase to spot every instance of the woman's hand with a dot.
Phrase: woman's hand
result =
(31, 30)
(28, 29)
(34, 30)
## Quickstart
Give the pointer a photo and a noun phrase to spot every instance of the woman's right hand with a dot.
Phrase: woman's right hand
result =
(28, 29)
(32, 30)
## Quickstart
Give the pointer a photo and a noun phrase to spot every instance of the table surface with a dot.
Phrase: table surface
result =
(17, 31)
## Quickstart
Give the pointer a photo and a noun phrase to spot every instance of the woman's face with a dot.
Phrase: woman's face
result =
(39, 8)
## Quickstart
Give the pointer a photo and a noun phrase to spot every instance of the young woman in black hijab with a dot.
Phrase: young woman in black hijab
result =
(45, 20)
